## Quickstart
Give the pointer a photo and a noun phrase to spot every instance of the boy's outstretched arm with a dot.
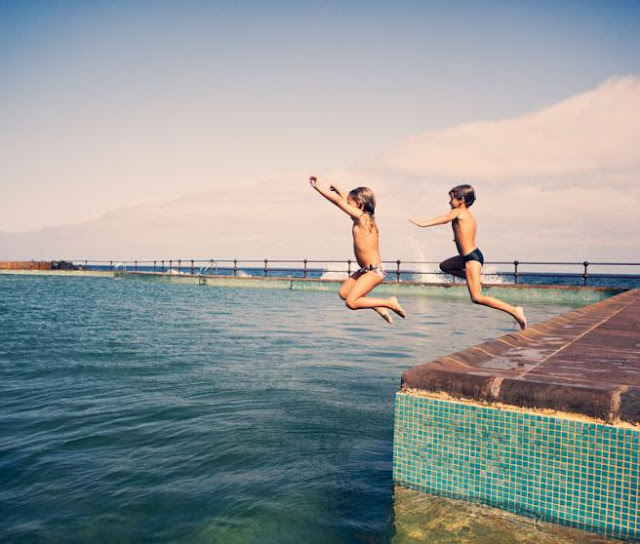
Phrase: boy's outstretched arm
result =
(440, 220)
(335, 196)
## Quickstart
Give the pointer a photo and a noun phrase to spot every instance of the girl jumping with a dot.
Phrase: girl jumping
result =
(360, 205)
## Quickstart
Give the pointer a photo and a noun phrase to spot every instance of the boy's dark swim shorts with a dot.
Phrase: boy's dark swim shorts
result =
(475, 255)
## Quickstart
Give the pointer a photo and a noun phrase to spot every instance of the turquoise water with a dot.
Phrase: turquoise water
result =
(151, 412)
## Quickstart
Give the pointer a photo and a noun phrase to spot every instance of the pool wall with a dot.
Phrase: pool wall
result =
(579, 473)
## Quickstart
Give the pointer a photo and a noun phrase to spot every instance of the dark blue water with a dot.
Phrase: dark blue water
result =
(153, 412)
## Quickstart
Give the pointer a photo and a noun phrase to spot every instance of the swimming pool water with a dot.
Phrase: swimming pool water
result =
(151, 412)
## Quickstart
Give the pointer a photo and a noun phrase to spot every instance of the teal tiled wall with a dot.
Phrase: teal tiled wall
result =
(578, 473)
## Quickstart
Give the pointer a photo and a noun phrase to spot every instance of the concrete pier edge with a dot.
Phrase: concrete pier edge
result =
(584, 362)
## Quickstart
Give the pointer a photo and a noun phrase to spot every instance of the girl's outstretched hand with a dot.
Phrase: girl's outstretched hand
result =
(313, 181)
(335, 189)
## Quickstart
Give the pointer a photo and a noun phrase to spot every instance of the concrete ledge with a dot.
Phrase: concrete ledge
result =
(516, 294)
(584, 362)
(550, 294)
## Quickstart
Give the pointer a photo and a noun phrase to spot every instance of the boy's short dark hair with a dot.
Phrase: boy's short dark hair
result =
(465, 192)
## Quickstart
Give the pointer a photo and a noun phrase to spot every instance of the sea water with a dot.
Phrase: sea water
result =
(152, 412)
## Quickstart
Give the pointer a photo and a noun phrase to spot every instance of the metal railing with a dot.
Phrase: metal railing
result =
(517, 272)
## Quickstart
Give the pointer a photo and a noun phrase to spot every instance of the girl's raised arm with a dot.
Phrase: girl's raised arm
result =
(336, 196)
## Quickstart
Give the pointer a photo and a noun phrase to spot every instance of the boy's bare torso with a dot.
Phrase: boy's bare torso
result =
(365, 242)
(464, 232)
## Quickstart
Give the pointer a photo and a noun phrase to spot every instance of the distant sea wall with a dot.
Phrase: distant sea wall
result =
(517, 294)
(36, 265)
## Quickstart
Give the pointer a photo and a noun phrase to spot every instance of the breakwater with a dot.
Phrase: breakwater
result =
(553, 294)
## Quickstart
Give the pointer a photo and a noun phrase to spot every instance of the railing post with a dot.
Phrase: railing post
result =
(266, 263)
(515, 273)
(179, 265)
(111, 266)
(135, 266)
(170, 265)
(398, 270)
(305, 271)
(211, 266)
(162, 267)
(349, 267)
(235, 268)
(192, 269)
(586, 272)
(86, 265)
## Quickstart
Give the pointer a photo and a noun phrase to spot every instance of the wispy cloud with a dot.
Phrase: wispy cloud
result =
(595, 132)
(559, 183)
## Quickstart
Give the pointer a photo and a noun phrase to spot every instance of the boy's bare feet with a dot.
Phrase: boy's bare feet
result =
(520, 317)
(384, 313)
(395, 306)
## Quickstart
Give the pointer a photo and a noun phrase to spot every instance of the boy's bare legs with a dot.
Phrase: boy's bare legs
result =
(474, 283)
(454, 266)
(356, 300)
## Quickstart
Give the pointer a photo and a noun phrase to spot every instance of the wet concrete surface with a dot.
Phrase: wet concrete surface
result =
(584, 362)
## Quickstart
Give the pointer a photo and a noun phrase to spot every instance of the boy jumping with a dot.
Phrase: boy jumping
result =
(468, 264)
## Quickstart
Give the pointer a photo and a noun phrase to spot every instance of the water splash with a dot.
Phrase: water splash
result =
(336, 271)
(430, 273)
(426, 269)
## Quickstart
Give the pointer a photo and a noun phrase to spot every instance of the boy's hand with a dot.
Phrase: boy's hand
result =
(313, 181)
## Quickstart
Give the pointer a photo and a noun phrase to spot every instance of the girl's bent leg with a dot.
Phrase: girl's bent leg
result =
(384, 313)
(356, 299)
(346, 287)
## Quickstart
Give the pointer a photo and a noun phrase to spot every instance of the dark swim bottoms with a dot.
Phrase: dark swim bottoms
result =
(475, 255)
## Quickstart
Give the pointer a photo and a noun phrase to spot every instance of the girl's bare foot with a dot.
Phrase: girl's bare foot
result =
(520, 317)
(395, 306)
(384, 313)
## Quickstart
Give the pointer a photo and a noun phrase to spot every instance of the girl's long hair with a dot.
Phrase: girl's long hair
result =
(366, 201)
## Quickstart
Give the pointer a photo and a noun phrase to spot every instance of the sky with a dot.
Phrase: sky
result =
(143, 130)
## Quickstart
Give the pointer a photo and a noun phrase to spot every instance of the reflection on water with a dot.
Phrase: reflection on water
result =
(424, 519)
